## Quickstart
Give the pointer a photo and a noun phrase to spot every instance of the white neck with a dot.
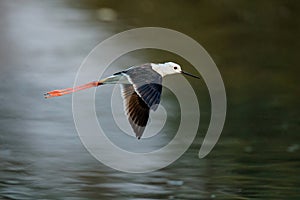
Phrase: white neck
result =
(158, 69)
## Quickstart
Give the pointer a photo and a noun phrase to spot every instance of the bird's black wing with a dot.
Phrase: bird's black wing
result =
(136, 109)
(146, 83)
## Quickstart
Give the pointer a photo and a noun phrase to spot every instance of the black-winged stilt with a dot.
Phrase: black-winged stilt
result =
(141, 88)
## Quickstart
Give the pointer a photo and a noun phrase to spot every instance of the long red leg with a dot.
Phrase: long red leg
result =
(57, 93)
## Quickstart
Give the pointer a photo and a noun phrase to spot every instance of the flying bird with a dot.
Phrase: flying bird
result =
(141, 88)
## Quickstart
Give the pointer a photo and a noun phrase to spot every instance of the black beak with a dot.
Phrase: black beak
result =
(190, 74)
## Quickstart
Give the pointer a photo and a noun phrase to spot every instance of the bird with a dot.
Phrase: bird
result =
(141, 88)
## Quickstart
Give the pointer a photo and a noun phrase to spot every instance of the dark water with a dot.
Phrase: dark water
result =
(254, 44)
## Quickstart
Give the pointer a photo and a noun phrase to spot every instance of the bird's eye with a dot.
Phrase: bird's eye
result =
(175, 68)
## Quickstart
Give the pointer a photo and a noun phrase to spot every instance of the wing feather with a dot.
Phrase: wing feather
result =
(147, 84)
(141, 95)
(136, 109)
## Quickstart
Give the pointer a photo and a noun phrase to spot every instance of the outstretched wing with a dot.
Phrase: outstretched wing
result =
(136, 109)
(146, 83)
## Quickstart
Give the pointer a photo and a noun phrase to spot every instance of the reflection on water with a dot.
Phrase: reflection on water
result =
(42, 43)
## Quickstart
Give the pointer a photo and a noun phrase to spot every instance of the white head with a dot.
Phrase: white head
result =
(169, 68)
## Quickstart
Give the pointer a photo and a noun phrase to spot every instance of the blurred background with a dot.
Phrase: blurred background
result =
(255, 45)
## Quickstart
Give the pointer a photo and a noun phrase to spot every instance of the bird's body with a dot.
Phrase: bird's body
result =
(141, 88)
